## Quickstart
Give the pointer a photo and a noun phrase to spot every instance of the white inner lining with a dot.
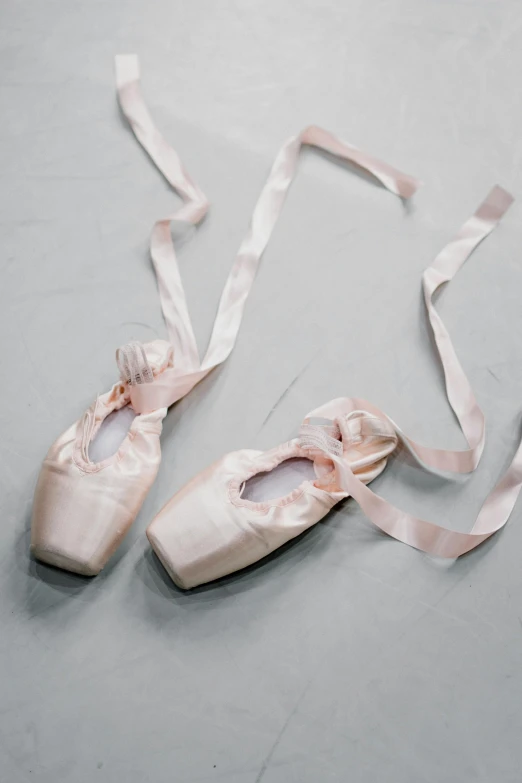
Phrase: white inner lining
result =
(280, 481)
(111, 434)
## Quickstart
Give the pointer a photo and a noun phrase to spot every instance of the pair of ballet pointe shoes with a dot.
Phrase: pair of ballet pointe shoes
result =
(83, 509)
(86, 501)
(84, 506)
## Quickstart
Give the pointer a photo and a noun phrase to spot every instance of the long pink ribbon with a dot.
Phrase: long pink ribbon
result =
(495, 512)
(188, 370)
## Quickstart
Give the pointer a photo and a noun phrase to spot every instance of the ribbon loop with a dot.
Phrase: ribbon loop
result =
(495, 512)
(188, 369)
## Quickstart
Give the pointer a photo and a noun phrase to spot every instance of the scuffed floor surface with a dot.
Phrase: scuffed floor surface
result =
(346, 656)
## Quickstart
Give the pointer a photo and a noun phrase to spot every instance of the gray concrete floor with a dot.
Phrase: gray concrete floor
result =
(346, 656)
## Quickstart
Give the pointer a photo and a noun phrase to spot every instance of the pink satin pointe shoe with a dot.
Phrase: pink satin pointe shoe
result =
(210, 528)
(84, 506)
(213, 527)
(97, 474)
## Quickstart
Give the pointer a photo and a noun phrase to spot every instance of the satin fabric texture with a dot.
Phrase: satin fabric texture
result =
(207, 530)
(82, 509)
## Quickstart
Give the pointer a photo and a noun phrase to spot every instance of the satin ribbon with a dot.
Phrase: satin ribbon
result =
(173, 384)
(427, 536)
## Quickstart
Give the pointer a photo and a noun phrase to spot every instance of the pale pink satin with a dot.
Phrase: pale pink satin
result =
(495, 512)
(208, 529)
(83, 509)
(188, 369)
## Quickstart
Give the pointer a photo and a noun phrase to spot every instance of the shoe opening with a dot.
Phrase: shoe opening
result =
(279, 481)
(113, 431)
